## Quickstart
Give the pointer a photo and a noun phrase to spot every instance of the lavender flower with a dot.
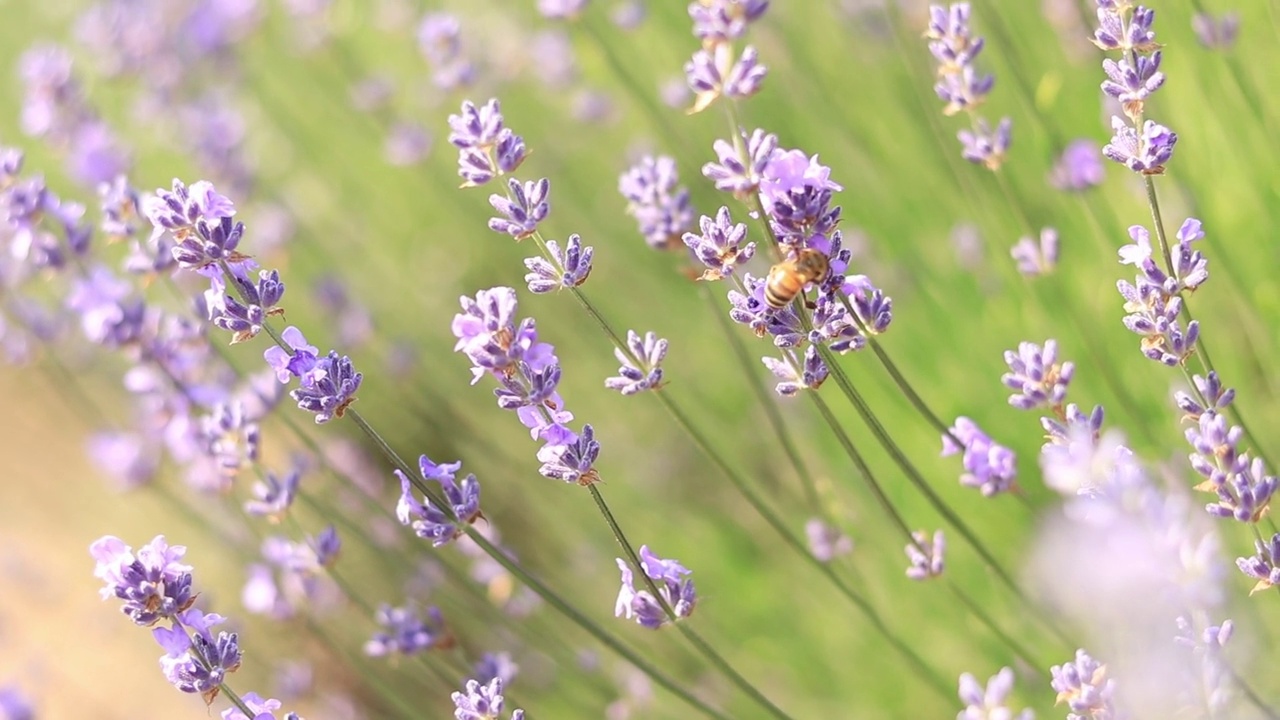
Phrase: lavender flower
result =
(328, 388)
(1114, 33)
(1133, 83)
(720, 247)
(1264, 565)
(1034, 260)
(299, 361)
(1036, 375)
(1216, 33)
(407, 633)
(429, 521)
(121, 208)
(990, 467)
(1084, 686)
(794, 375)
(482, 701)
(826, 541)
(657, 201)
(152, 583)
(987, 147)
(714, 73)
(199, 220)
(926, 557)
(522, 209)
(439, 40)
(245, 319)
(488, 335)
(262, 709)
(566, 269)
(274, 495)
(989, 702)
(732, 173)
(1079, 167)
(674, 586)
(1217, 397)
(641, 367)
(493, 666)
(486, 147)
(200, 662)
(722, 21)
(572, 459)
(1145, 154)
(131, 459)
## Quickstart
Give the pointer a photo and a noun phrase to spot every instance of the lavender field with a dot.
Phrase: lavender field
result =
(734, 359)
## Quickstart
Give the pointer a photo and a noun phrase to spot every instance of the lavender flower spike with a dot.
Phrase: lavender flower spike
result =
(1037, 259)
(657, 201)
(642, 367)
(486, 147)
(989, 702)
(984, 146)
(431, 522)
(671, 579)
(152, 583)
(927, 558)
(720, 246)
(1036, 375)
(524, 206)
(329, 388)
(714, 73)
(566, 269)
(1084, 686)
(482, 701)
(1145, 154)
(990, 467)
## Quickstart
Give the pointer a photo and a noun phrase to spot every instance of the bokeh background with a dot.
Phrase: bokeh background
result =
(338, 194)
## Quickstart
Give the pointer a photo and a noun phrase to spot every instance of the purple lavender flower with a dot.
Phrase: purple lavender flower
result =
(1216, 33)
(1084, 686)
(989, 702)
(429, 521)
(1131, 83)
(229, 437)
(720, 247)
(794, 375)
(406, 633)
(245, 319)
(566, 269)
(298, 361)
(731, 173)
(1079, 167)
(488, 335)
(722, 21)
(1263, 566)
(926, 558)
(406, 143)
(131, 459)
(1217, 397)
(482, 701)
(673, 584)
(533, 394)
(1153, 315)
(200, 662)
(274, 495)
(985, 147)
(1036, 375)
(262, 709)
(522, 209)
(1114, 33)
(486, 147)
(641, 367)
(571, 460)
(152, 583)
(826, 541)
(439, 40)
(714, 73)
(990, 467)
(492, 666)
(328, 388)
(121, 208)
(108, 315)
(1034, 260)
(199, 220)
(1145, 154)
(657, 201)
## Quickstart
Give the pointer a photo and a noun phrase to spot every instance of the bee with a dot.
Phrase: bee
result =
(787, 279)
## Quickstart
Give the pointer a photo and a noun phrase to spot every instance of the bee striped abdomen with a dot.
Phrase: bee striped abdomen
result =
(787, 279)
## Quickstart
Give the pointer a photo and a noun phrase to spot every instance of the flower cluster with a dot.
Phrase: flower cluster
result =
(675, 590)
(927, 556)
(433, 523)
(482, 701)
(989, 467)
(528, 373)
(1143, 146)
(717, 69)
(962, 87)
(486, 147)
(989, 702)
(1154, 299)
(406, 633)
(440, 42)
(155, 586)
(657, 201)
(1085, 688)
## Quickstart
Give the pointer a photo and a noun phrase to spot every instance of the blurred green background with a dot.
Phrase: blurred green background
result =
(851, 84)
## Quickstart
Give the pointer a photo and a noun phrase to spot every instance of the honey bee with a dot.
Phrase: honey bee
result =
(787, 279)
